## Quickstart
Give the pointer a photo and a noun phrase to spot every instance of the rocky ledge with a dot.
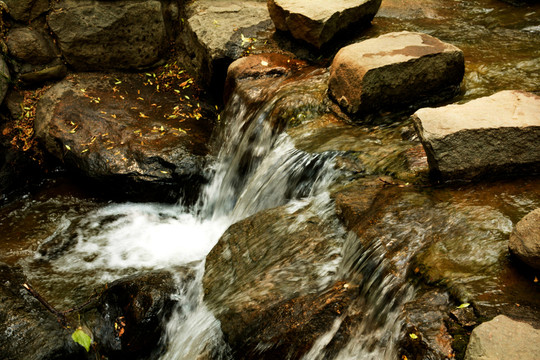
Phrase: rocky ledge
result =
(122, 131)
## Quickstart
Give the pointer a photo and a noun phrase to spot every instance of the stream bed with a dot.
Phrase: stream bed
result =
(421, 236)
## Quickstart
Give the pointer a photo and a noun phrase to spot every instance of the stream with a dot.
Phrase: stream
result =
(69, 242)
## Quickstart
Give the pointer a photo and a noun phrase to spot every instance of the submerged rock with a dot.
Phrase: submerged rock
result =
(119, 131)
(28, 330)
(395, 70)
(525, 239)
(495, 135)
(318, 22)
(270, 276)
(100, 35)
(218, 32)
(504, 338)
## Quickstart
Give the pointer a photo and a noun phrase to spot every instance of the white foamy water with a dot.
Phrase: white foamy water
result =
(141, 236)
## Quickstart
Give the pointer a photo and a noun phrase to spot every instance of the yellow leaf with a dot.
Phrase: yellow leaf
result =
(67, 147)
(413, 336)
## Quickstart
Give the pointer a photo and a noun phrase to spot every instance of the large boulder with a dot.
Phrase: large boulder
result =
(216, 33)
(498, 134)
(26, 10)
(504, 338)
(525, 239)
(100, 35)
(268, 279)
(318, 22)
(118, 131)
(395, 70)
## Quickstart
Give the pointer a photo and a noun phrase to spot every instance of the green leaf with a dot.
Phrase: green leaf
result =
(464, 305)
(82, 338)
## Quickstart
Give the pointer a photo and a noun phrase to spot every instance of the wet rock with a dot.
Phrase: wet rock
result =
(129, 318)
(319, 22)
(395, 70)
(525, 240)
(504, 338)
(355, 201)
(425, 333)
(494, 135)
(26, 10)
(218, 32)
(4, 79)
(258, 67)
(30, 46)
(109, 35)
(290, 328)
(276, 262)
(28, 330)
(120, 133)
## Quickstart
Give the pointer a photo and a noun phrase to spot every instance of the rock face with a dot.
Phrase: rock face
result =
(217, 33)
(504, 338)
(110, 130)
(26, 10)
(525, 239)
(98, 35)
(264, 280)
(395, 70)
(492, 135)
(318, 22)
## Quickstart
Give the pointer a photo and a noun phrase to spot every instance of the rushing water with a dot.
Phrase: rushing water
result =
(70, 243)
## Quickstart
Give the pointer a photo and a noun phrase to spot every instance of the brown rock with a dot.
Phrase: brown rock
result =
(525, 239)
(395, 70)
(317, 22)
(498, 134)
(30, 46)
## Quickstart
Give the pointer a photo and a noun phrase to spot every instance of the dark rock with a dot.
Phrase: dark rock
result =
(41, 74)
(5, 79)
(318, 22)
(395, 70)
(129, 318)
(425, 333)
(218, 32)
(117, 131)
(488, 136)
(525, 239)
(31, 46)
(109, 34)
(26, 10)
(504, 338)
(270, 264)
(28, 330)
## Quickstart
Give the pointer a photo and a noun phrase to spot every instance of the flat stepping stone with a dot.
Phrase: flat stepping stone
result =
(317, 22)
(499, 134)
(395, 70)
(504, 338)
